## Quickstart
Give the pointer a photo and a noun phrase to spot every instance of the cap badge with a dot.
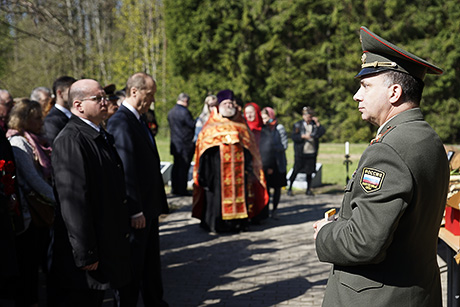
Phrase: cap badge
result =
(379, 64)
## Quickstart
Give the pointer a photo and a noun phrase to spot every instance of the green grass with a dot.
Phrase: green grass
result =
(163, 149)
(331, 155)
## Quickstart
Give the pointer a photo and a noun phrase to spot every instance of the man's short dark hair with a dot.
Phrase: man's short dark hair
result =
(183, 97)
(62, 83)
(412, 87)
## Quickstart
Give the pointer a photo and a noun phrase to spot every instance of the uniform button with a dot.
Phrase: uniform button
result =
(125, 201)
(127, 235)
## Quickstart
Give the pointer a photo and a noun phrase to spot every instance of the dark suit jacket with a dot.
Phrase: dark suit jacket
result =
(91, 211)
(182, 126)
(383, 245)
(53, 123)
(144, 182)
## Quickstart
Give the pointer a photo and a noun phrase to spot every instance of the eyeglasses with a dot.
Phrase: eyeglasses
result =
(98, 99)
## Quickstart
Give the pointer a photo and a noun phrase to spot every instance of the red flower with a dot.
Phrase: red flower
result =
(7, 177)
(9, 167)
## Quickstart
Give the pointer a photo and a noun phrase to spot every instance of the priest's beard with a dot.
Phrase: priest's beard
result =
(227, 112)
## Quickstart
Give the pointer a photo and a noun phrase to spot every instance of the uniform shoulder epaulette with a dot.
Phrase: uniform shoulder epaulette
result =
(380, 136)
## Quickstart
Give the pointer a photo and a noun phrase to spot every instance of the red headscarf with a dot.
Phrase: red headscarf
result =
(256, 125)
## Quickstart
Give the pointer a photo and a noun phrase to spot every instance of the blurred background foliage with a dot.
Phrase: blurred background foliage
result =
(286, 54)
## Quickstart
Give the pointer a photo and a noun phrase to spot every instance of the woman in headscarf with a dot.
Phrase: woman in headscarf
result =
(32, 156)
(254, 120)
(273, 144)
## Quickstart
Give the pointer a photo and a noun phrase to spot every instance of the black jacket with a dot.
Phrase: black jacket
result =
(53, 123)
(297, 131)
(91, 211)
(182, 127)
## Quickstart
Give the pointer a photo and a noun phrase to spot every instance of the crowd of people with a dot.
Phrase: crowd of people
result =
(81, 193)
(239, 157)
(88, 190)
(82, 189)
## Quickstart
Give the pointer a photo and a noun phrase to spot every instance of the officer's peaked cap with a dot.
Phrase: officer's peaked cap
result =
(380, 55)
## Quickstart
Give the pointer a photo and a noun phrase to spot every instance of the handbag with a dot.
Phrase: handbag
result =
(41, 210)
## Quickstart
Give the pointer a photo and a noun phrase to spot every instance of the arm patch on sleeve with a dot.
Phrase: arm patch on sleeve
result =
(371, 179)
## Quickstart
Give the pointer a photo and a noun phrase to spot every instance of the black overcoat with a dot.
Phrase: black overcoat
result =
(92, 221)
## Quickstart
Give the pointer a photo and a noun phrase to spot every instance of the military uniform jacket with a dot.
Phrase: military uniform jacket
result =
(383, 245)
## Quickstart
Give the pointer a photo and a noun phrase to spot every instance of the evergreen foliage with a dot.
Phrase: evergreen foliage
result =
(280, 53)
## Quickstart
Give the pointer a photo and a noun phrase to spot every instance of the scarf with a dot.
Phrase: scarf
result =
(273, 122)
(255, 125)
(41, 149)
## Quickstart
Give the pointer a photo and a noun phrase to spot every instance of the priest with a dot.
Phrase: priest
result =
(229, 184)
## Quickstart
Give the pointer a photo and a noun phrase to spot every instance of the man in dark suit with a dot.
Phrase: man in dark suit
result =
(144, 189)
(91, 247)
(60, 113)
(383, 244)
(182, 126)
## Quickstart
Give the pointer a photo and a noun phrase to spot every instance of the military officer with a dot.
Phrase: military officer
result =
(383, 243)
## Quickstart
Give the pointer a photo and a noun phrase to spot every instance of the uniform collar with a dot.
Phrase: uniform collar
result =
(408, 115)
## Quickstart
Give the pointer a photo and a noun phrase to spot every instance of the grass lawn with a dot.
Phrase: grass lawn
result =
(331, 155)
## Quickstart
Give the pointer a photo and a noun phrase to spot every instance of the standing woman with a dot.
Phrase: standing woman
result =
(209, 103)
(273, 145)
(254, 120)
(32, 155)
(306, 134)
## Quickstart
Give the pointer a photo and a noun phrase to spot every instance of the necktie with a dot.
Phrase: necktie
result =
(146, 130)
(111, 149)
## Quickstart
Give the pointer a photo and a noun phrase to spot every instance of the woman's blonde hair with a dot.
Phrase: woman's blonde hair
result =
(22, 110)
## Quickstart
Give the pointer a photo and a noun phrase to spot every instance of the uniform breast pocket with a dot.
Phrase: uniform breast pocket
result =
(359, 283)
